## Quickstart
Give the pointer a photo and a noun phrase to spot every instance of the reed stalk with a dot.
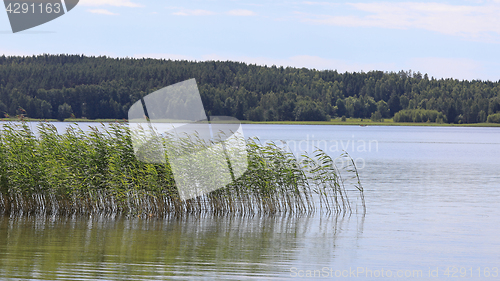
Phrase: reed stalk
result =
(97, 172)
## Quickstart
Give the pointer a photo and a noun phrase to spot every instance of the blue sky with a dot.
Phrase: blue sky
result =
(451, 39)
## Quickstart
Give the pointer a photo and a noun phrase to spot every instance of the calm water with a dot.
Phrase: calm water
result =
(432, 196)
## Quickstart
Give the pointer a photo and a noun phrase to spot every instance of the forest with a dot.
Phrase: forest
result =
(64, 86)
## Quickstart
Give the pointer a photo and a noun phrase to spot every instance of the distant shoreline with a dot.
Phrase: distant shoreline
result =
(69, 120)
(337, 121)
(367, 122)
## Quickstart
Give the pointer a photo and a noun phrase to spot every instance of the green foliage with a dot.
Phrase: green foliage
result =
(81, 172)
(105, 88)
(494, 118)
(64, 111)
(419, 115)
(307, 110)
(256, 114)
(376, 117)
(3, 108)
(383, 108)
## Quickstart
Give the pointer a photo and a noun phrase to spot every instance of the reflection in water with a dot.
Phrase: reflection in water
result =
(432, 197)
(228, 247)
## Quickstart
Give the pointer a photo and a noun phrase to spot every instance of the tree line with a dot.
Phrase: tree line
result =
(60, 86)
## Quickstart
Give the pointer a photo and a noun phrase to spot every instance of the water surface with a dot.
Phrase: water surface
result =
(432, 197)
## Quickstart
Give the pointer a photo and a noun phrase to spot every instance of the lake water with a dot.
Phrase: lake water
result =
(432, 196)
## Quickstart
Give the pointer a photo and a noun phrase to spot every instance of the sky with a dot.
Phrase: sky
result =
(446, 39)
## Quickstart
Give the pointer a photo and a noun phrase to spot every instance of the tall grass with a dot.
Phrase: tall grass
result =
(79, 172)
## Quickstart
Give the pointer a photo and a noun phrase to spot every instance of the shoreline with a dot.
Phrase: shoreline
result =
(348, 122)
(365, 123)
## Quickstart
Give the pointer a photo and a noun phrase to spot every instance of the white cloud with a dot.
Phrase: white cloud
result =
(320, 3)
(310, 62)
(241, 12)
(164, 56)
(199, 12)
(14, 52)
(456, 68)
(471, 21)
(116, 3)
(335, 64)
(193, 13)
(102, 12)
(295, 61)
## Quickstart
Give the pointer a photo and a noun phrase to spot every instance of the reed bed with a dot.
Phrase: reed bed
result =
(97, 172)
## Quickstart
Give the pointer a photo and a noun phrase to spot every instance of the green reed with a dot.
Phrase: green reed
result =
(79, 172)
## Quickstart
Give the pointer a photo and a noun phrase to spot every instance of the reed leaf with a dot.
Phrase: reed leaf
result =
(81, 173)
